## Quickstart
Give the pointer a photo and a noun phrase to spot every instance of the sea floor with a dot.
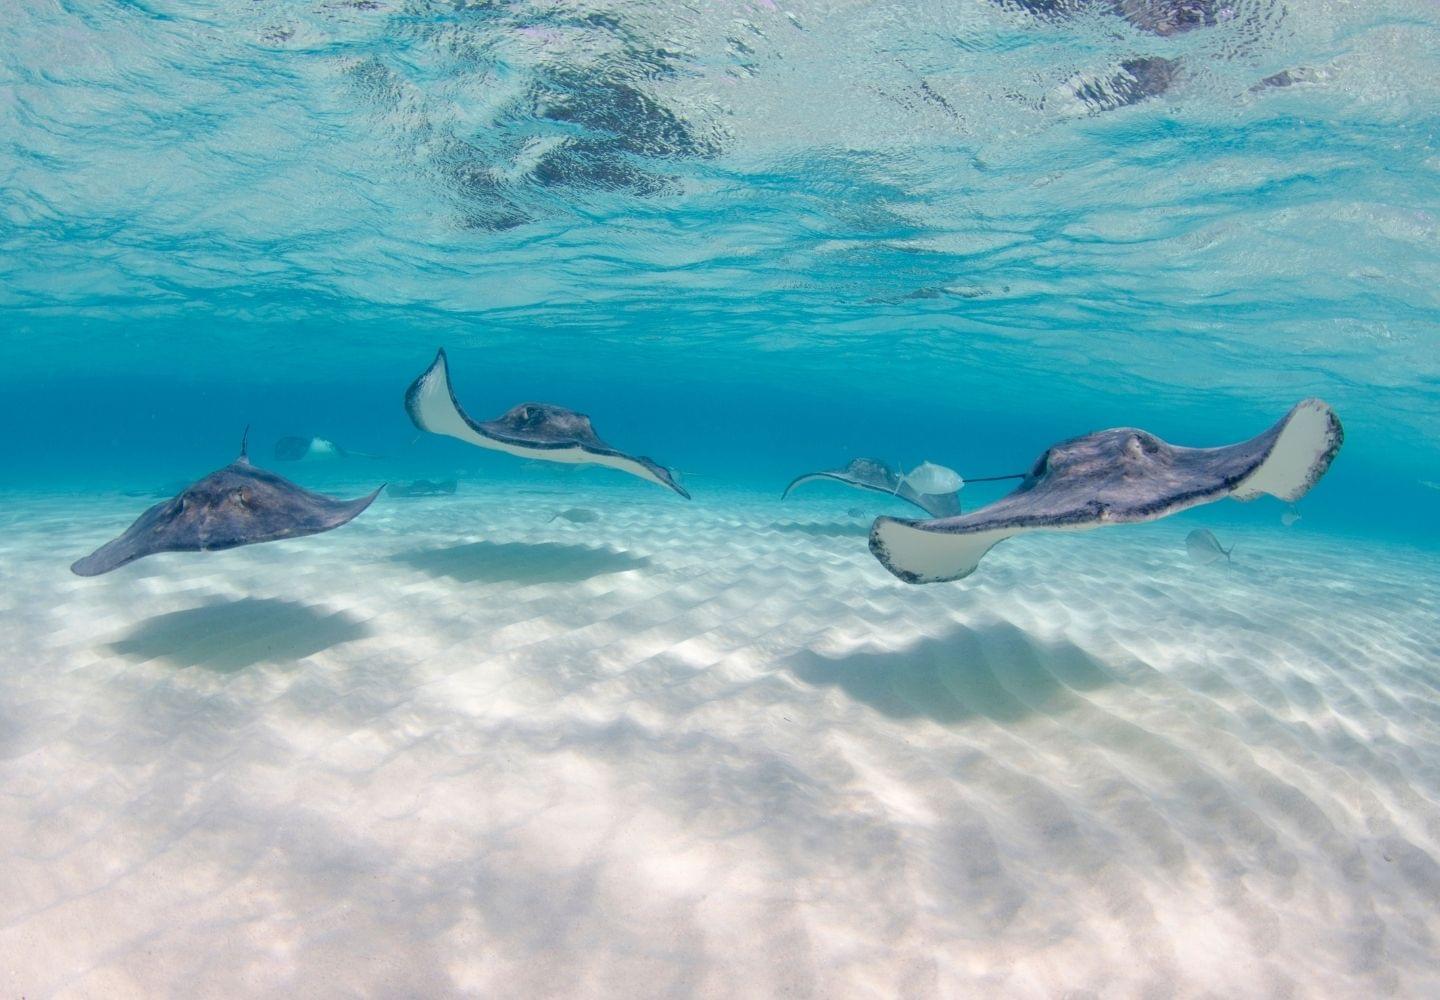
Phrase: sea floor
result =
(712, 749)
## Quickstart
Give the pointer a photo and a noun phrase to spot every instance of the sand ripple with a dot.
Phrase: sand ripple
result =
(713, 749)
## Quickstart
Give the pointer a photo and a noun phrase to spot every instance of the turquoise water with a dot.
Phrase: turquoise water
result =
(460, 748)
(745, 239)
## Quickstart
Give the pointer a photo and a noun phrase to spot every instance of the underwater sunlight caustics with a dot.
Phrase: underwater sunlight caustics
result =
(504, 707)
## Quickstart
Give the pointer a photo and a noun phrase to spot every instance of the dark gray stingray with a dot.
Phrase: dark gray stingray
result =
(873, 474)
(1115, 477)
(530, 430)
(236, 505)
(423, 488)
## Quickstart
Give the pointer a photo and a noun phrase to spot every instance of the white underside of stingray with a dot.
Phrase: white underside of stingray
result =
(1115, 477)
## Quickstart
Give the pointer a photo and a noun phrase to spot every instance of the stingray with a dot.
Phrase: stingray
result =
(313, 449)
(1115, 477)
(236, 505)
(423, 488)
(531, 430)
(873, 474)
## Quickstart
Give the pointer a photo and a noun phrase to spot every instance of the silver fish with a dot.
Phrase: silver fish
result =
(1205, 548)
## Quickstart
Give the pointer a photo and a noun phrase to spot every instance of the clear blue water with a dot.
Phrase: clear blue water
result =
(461, 748)
(745, 239)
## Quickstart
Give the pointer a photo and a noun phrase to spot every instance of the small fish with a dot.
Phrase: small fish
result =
(1431, 485)
(1290, 516)
(1204, 547)
(855, 512)
(577, 515)
(929, 478)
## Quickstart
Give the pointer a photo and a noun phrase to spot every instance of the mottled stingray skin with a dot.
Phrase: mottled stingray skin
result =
(236, 505)
(532, 430)
(1115, 477)
(873, 474)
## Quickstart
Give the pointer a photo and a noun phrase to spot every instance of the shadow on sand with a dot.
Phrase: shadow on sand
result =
(521, 562)
(997, 672)
(234, 635)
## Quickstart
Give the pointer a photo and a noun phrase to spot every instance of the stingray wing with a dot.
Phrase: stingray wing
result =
(135, 542)
(860, 474)
(836, 476)
(1115, 477)
(1296, 453)
(530, 430)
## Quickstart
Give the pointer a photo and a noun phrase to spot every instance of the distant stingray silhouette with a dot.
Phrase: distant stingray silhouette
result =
(875, 475)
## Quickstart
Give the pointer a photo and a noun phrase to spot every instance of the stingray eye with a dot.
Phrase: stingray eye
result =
(241, 497)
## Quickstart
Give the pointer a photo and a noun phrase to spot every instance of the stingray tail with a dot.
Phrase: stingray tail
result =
(347, 453)
(1227, 552)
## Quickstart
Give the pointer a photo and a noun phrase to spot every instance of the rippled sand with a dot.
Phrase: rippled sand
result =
(712, 749)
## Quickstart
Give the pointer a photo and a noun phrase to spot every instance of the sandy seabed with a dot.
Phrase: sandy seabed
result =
(712, 749)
